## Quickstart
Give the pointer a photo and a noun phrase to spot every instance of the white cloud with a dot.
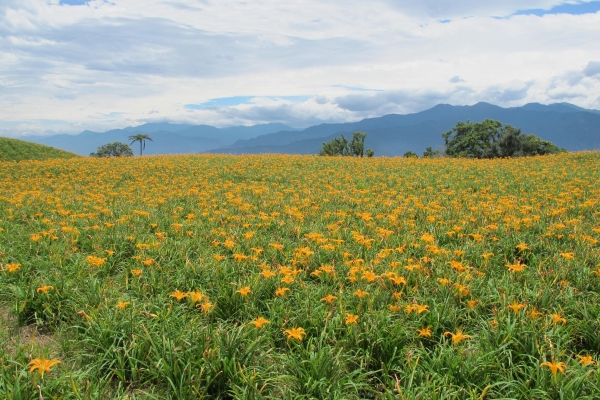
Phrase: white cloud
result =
(114, 63)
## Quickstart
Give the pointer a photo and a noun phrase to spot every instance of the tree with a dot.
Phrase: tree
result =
(341, 147)
(370, 153)
(430, 153)
(410, 154)
(116, 149)
(491, 139)
(336, 147)
(532, 145)
(357, 144)
(140, 137)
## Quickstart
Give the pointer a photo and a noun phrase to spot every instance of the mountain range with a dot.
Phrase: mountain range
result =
(166, 138)
(566, 125)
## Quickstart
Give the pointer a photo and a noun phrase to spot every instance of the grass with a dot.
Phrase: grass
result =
(20, 150)
(378, 278)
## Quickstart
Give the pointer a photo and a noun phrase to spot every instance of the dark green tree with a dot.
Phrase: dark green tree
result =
(410, 154)
(532, 145)
(357, 144)
(491, 139)
(370, 153)
(140, 137)
(336, 147)
(341, 147)
(116, 149)
(430, 153)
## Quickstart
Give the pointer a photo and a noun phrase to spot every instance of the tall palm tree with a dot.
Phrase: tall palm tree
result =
(140, 137)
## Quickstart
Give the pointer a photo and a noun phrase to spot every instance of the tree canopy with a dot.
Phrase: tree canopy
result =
(341, 147)
(492, 139)
(140, 137)
(116, 149)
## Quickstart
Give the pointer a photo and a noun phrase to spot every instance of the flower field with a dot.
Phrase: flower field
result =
(300, 277)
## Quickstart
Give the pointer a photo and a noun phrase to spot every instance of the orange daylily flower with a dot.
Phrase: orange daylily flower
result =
(424, 332)
(13, 267)
(280, 292)
(122, 304)
(516, 307)
(42, 365)
(556, 318)
(555, 366)
(178, 295)
(518, 267)
(44, 289)
(351, 319)
(458, 336)
(586, 360)
(244, 291)
(259, 322)
(295, 333)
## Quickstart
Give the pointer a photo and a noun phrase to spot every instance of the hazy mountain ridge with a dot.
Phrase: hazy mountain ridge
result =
(166, 138)
(564, 124)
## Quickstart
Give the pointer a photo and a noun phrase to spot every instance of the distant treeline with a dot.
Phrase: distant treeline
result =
(486, 139)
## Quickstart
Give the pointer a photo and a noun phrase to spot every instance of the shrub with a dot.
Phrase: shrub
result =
(492, 139)
(116, 149)
(341, 147)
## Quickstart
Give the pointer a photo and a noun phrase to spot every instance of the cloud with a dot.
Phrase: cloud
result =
(103, 64)
(507, 95)
(409, 101)
(592, 69)
(237, 100)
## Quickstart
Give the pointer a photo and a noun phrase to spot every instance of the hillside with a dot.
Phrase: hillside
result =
(20, 150)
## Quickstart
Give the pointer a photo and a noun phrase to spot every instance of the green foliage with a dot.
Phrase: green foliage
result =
(357, 144)
(410, 154)
(20, 150)
(140, 137)
(116, 149)
(430, 153)
(336, 147)
(492, 139)
(341, 147)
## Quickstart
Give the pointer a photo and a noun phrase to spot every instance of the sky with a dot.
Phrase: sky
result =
(71, 65)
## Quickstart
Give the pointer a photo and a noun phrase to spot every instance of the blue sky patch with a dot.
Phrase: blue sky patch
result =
(74, 2)
(237, 100)
(574, 9)
(357, 88)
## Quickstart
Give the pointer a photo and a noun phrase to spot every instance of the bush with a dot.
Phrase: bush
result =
(430, 153)
(491, 139)
(410, 154)
(116, 149)
(341, 147)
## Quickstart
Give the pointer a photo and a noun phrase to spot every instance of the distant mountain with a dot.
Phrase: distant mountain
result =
(564, 124)
(167, 138)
